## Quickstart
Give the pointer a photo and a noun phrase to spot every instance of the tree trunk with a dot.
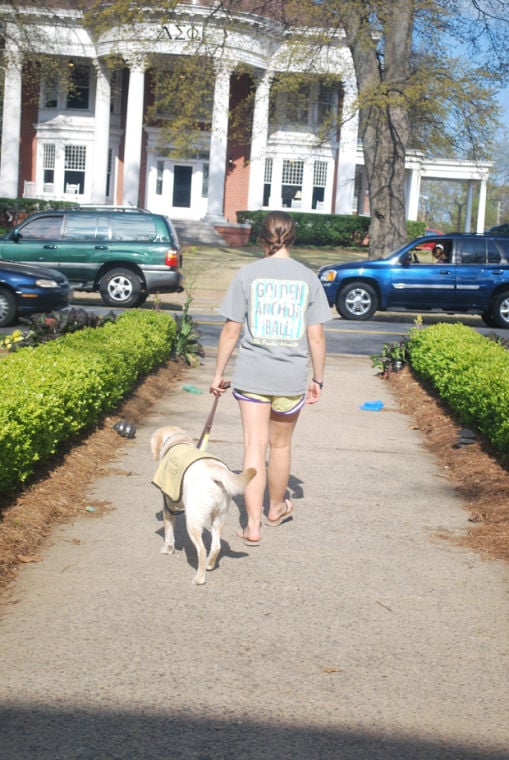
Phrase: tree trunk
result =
(382, 65)
(384, 161)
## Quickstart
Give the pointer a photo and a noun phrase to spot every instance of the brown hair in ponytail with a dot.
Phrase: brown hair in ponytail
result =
(277, 231)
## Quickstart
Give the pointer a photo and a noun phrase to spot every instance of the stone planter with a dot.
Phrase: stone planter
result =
(234, 235)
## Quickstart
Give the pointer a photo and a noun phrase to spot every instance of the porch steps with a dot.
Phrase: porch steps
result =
(192, 232)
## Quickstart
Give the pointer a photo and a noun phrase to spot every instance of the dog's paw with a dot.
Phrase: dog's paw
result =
(199, 580)
(167, 549)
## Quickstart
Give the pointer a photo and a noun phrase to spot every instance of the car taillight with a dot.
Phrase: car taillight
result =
(172, 259)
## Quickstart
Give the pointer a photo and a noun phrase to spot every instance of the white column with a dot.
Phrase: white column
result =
(101, 134)
(259, 138)
(345, 180)
(468, 211)
(11, 128)
(413, 193)
(219, 144)
(133, 132)
(481, 211)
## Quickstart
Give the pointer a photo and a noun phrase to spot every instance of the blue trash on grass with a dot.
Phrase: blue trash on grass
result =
(372, 406)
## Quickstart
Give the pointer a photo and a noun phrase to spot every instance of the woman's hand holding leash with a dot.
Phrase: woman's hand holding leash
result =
(218, 386)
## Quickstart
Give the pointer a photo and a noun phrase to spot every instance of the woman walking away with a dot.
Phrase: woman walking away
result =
(282, 306)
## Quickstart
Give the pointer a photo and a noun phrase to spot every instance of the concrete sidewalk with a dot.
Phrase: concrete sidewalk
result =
(353, 631)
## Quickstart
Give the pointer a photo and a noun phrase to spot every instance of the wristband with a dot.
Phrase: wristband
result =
(318, 383)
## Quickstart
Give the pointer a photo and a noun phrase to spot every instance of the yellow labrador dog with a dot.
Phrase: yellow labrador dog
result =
(198, 484)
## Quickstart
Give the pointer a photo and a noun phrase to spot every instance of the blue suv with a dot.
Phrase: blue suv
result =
(453, 273)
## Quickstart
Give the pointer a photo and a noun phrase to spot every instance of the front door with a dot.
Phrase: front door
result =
(178, 190)
(182, 178)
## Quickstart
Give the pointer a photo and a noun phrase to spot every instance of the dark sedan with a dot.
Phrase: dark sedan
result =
(471, 275)
(29, 289)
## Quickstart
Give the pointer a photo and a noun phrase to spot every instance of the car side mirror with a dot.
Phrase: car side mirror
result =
(406, 259)
(15, 236)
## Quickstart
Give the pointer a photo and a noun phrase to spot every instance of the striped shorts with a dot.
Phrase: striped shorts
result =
(279, 404)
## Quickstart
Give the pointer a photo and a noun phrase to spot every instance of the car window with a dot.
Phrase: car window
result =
(502, 245)
(473, 251)
(103, 227)
(42, 228)
(80, 227)
(494, 256)
(132, 227)
(422, 253)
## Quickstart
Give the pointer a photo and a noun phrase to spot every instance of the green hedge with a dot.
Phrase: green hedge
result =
(470, 372)
(338, 230)
(54, 391)
(13, 211)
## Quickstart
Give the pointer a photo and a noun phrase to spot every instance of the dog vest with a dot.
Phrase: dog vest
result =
(173, 466)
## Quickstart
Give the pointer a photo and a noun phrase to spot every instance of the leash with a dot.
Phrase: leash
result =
(204, 437)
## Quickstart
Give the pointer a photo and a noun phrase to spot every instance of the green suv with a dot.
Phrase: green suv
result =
(124, 253)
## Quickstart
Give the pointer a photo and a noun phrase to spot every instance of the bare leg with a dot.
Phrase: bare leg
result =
(280, 440)
(255, 422)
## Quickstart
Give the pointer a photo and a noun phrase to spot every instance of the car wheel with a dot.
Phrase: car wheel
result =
(141, 299)
(357, 300)
(8, 307)
(499, 310)
(120, 287)
(488, 319)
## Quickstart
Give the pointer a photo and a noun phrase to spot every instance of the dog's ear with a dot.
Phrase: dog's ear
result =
(159, 439)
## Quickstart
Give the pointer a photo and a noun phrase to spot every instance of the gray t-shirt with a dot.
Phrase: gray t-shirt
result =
(275, 299)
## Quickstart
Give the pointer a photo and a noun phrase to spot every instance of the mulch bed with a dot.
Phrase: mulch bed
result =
(59, 492)
(480, 477)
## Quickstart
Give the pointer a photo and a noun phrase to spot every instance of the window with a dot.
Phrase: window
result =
(493, 253)
(159, 177)
(109, 172)
(319, 183)
(205, 181)
(50, 93)
(136, 227)
(48, 164)
(267, 181)
(473, 251)
(80, 227)
(326, 101)
(297, 110)
(291, 181)
(503, 246)
(79, 90)
(43, 228)
(74, 168)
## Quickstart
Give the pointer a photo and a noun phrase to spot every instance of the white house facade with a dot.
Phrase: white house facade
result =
(94, 143)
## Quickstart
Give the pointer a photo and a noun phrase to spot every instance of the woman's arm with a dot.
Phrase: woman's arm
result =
(317, 350)
(225, 347)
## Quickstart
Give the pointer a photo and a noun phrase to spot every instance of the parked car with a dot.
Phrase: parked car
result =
(475, 279)
(428, 232)
(501, 229)
(29, 289)
(123, 252)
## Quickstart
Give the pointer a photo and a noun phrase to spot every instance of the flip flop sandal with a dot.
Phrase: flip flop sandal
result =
(247, 541)
(282, 518)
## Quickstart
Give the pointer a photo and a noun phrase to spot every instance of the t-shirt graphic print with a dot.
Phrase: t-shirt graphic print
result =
(278, 311)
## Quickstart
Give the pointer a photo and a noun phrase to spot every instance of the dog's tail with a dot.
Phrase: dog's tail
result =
(232, 482)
